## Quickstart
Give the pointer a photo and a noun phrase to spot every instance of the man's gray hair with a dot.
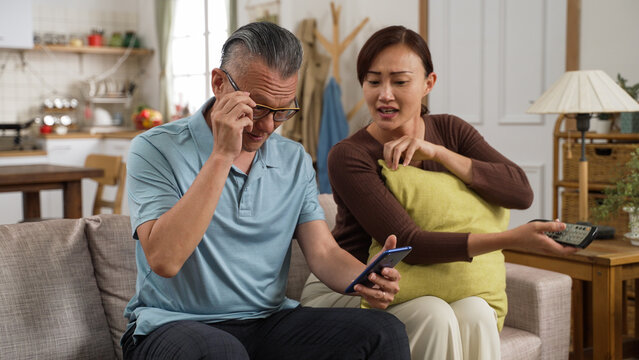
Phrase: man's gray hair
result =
(277, 47)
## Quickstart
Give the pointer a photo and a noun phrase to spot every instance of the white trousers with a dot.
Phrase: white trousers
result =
(465, 329)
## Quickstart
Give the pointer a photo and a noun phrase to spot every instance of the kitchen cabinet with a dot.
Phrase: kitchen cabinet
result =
(116, 147)
(63, 151)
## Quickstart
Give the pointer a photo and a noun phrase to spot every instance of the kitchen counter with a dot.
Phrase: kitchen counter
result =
(84, 135)
(12, 153)
(76, 136)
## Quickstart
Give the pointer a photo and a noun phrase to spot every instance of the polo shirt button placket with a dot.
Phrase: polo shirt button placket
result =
(245, 207)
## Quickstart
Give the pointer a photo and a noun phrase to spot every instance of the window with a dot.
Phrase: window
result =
(200, 28)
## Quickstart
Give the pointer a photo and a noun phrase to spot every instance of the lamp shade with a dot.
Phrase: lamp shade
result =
(584, 91)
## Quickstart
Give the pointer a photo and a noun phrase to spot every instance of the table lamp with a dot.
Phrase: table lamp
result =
(583, 93)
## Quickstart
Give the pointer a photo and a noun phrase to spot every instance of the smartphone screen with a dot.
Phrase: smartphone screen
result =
(388, 258)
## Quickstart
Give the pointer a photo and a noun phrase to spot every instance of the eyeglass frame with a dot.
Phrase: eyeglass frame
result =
(273, 110)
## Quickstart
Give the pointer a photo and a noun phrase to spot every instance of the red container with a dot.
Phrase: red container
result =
(95, 40)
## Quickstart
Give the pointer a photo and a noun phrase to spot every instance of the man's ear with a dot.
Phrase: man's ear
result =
(217, 81)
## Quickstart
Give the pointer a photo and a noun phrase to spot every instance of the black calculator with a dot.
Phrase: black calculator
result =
(576, 235)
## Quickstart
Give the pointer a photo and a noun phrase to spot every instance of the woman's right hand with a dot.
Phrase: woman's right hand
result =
(230, 116)
(407, 149)
(532, 236)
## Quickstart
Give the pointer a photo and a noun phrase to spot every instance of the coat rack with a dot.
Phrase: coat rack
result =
(335, 49)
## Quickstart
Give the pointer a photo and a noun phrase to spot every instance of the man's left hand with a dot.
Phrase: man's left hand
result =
(382, 293)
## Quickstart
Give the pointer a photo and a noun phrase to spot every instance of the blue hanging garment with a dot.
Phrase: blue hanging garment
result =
(334, 127)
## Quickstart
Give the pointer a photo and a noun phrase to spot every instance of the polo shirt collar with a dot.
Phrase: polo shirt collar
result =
(268, 153)
(201, 133)
(203, 137)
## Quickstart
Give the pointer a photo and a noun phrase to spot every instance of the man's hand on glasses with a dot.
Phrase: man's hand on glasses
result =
(231, 115)
(261, 111)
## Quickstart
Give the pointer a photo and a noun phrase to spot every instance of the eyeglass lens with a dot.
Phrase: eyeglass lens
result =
(278, 115)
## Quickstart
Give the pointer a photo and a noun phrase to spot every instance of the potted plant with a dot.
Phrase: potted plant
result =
(624, 195)
(602, 123)
(629, 122)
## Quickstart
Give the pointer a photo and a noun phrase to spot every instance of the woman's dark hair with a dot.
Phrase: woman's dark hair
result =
(388, 36)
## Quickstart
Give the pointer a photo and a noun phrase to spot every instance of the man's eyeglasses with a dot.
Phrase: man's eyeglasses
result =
(260, 111)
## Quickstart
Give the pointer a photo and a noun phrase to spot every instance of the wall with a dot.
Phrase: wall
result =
(608, 39)
(29, 77)
(381, 13)
(609, 31)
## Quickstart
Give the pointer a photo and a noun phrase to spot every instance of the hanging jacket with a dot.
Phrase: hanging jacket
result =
(334, 128)
(304, 127)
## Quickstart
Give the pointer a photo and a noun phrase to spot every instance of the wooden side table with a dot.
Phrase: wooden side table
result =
(605, 264)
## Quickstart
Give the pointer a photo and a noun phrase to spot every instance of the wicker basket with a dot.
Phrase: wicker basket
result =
(570, 211)
(605, 161)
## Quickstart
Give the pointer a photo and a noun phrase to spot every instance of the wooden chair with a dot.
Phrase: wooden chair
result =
(114, 175)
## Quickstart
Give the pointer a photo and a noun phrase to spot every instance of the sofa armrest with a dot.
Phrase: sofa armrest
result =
(539, 302)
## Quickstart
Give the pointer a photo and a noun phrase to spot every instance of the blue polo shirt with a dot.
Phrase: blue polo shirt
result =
(239, 269)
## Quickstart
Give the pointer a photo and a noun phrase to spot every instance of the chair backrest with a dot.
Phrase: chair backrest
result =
(114, 175)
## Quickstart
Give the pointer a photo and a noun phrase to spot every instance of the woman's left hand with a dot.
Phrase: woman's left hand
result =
(532, 236)
(407, 149)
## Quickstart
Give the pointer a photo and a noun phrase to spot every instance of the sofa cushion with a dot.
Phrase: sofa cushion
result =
(113, 253)
(330, 209)
(441, 202)
(50, 304)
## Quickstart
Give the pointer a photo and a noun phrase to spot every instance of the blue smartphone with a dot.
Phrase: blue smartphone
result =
(388, 258)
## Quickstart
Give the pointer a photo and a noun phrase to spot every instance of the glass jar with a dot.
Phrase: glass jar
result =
(129, 37)
(116, 40)
(76, 40)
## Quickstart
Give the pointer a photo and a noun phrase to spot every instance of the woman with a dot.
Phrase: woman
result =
(395, 70)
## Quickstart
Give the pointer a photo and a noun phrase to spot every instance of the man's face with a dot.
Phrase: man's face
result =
(266, 87)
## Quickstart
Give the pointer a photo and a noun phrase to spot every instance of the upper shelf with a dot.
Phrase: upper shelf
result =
(592, 135)
(102, 50)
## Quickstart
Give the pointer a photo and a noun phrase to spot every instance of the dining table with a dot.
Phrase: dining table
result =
(31, 179)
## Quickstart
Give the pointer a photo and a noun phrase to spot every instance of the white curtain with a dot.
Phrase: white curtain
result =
(164, 10)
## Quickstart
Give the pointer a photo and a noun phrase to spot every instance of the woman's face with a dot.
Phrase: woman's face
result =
(394, 87)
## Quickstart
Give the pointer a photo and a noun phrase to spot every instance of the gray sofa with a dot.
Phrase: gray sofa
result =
(64, 285)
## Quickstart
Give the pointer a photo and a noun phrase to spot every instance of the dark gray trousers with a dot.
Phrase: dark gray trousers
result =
(300, 333)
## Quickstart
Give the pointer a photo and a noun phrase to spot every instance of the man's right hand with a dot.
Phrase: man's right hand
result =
(230, 116)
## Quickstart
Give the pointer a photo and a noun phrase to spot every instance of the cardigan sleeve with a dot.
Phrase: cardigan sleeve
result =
(495, 178)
